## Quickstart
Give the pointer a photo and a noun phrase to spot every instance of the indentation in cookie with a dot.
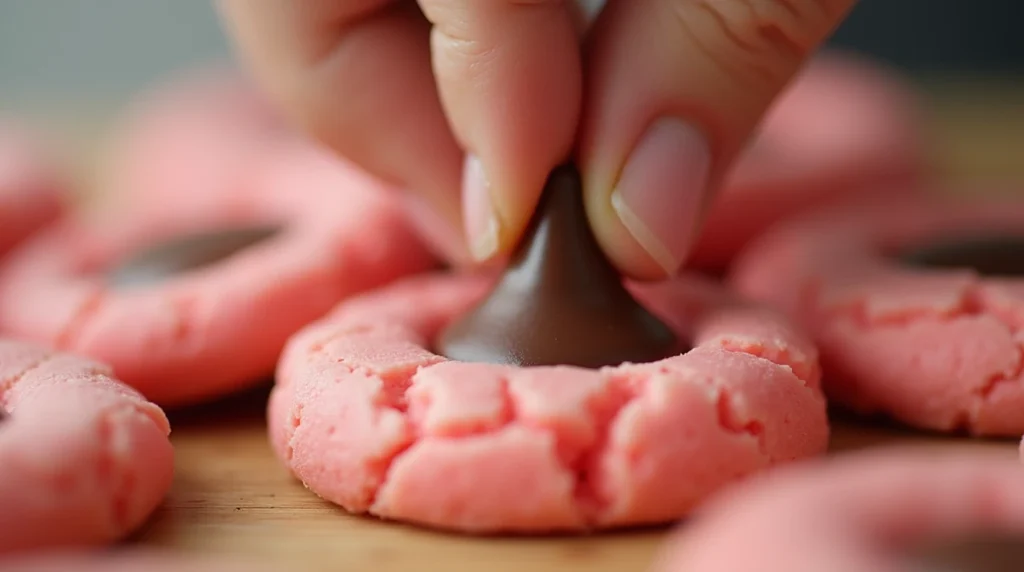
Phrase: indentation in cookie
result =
(559, 301)
(187, 253)
(917, 307)
(997, 256)
(371, 420)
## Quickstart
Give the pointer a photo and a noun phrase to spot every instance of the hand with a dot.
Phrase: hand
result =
(469, 104)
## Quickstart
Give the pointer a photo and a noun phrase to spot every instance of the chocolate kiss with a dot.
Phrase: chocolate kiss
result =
(560, 301)
(181, 254)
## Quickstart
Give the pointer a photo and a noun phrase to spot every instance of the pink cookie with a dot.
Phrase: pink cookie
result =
(934, 347)
(869, 512)
(194, 132)
(369, 418)
(845, 128)
(31, 188)
(84, 458)
(210, 330)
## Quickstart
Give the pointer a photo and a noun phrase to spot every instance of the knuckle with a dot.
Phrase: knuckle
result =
(463, 49)
(756, 39)
(457, 33)
(463, 58)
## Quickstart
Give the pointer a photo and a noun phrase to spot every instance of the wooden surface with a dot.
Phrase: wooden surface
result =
(230, 497)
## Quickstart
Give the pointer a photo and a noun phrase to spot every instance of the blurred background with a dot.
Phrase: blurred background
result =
(76, 59)
(100, 50)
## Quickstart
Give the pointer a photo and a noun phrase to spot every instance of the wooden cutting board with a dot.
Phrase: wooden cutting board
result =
(230, 496)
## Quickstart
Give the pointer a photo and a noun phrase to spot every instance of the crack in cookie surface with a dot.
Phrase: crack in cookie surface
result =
(93, 456)
(883, 327)
(371, 420)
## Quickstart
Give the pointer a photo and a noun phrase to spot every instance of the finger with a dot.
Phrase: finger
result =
(356, 74)
(508, 72)
(667, 115)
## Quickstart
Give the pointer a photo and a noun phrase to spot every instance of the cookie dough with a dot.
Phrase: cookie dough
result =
(220, 324)
(193, 133)
(84, 459)
(932, 343)
(32, 188)
(846, 127)
(899, 510)
(369, 418)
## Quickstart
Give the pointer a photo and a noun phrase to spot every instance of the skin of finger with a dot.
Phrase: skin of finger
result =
(716, 64)
(510, 80)
(357, 76)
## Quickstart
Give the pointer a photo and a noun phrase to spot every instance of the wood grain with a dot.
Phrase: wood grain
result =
(231, 497)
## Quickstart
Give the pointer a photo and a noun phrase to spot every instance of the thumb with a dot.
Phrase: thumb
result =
(666, 116)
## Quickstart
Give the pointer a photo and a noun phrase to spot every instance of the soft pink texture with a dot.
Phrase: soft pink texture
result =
(32, 188)
(846, 127)
(211, 331)
(867, 512)
(937, 349)
(85, 459)
(193, 132)
(368, 418)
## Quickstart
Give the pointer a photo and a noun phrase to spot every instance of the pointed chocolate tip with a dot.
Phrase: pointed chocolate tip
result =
(560, 301)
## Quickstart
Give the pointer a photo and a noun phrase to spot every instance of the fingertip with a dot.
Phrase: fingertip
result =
(510, 79)
(605, 213)
(665, 117)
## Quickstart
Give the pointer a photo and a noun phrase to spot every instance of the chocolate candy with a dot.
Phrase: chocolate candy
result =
(184, 253)
(987, 255)
(559, 301)
(978, 554)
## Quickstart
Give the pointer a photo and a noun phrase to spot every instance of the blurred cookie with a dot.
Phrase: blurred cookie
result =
(85, 459)
(898, 510)
(845, 128)
(32, 188)
(916, 305)
(191, 298)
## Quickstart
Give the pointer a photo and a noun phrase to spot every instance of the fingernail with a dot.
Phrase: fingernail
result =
(660, 194)
(481, 220)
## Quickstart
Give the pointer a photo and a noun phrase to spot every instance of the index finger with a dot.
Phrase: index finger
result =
(356, 75)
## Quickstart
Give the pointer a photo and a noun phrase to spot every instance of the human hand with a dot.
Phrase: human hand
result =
(469, 104)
